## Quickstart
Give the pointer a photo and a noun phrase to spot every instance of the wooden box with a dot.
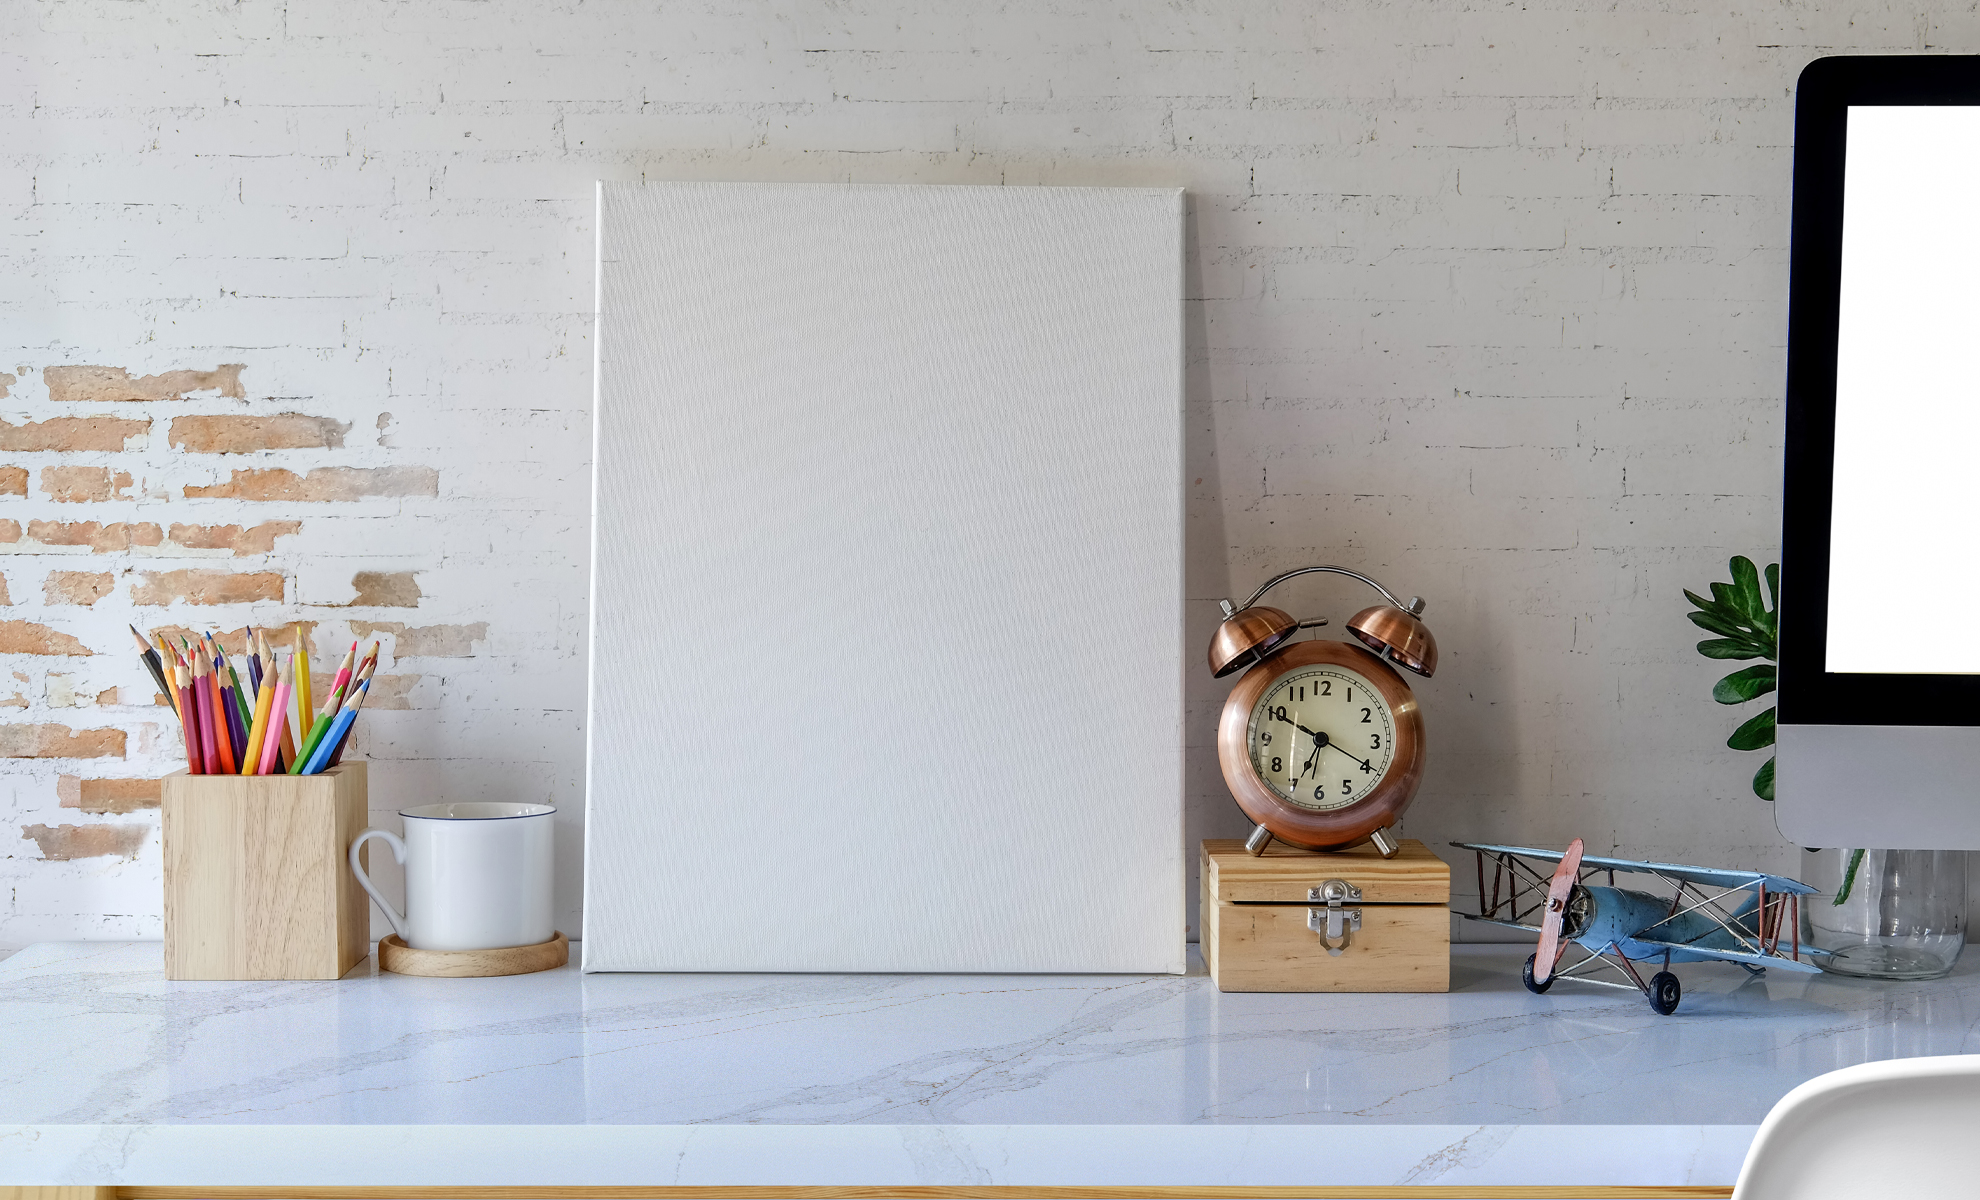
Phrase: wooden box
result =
(257, 882)
(1265, 919)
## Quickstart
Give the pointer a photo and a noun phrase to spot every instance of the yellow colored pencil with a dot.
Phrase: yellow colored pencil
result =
(305, 708)
(264, 701)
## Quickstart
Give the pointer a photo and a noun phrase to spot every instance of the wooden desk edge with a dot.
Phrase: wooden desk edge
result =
(1473, 1192)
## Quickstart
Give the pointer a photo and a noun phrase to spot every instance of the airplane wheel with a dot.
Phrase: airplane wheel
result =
(1664, 993)
(1526, 977)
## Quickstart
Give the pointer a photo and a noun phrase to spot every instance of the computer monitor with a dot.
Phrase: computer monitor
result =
(1879, 718)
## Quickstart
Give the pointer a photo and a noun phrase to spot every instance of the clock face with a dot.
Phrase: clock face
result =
(1321, 737)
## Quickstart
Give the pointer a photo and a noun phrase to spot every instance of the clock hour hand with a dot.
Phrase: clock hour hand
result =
(1320, 742)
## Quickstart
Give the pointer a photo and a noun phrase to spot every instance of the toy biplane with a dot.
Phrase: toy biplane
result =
(1709, 915)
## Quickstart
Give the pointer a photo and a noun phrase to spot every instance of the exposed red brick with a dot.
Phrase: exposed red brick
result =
(10, 531)
(115, 383)
(323, 483)
(112, 796)
(386, 589)
(65, 842)
(427, 641)
(389, 692)
(4, 597)
(79, 485)
(214, 434)
(71, 433)
(14, 701)
(76, 587)
(26, 637)
(258, 539)
(6, 381)
(103, 539)
(13, 481)
(59, 741)
(206, 587)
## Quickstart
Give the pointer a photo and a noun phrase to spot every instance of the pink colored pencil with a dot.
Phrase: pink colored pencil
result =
(208, 705)
(336, 698)
(273, 746)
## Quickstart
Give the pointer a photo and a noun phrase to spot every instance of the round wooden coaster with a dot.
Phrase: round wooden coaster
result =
(395, 955)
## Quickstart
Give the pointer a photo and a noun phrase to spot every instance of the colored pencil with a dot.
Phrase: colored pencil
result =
(244, 707)
(223, 734)
(343, 679)
(182, 687)
(226, 717)
(264, 700)
(343, 737)
(204, 708)
(254, 659)
(156, 666)
(330, 752)
(234, 744)
(279, 708)
(189, 706)
(324, 720)
(305, 698)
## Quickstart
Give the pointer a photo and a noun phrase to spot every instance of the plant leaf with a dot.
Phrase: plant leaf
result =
(1757, 732)
(1725, 595)
(1713, 606)
(1744, 685)
(1849, 878)
(1774, 585)
(1763, 781)
(1746, 579)
(1729, 648)
(1714, 623)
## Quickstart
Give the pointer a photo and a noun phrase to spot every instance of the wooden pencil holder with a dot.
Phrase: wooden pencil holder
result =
(257, 885)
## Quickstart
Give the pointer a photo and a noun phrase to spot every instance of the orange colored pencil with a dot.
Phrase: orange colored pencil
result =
(189, 723)
(223, 742)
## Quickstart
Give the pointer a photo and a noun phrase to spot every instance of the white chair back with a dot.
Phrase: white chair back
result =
(1907, 1127)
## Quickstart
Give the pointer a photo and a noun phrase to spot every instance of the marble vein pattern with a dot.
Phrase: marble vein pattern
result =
(97, 1037)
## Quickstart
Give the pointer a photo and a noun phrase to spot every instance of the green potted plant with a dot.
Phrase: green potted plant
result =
(1907, 918)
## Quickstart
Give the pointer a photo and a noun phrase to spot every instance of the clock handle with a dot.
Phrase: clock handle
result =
(1260, 838)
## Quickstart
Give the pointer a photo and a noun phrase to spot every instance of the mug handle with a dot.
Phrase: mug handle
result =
(393, 915)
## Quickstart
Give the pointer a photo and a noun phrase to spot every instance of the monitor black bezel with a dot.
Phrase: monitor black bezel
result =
(1809, 693)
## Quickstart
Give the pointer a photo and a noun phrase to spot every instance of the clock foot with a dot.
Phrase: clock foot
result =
(1386, 843)
(1260, 838)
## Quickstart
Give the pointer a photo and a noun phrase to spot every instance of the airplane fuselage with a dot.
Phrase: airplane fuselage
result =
(1601, 917)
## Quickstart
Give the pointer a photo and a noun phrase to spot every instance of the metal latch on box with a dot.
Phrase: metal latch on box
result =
(1334, 922)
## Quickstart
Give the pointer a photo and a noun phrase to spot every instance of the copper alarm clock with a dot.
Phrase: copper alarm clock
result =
(1322, 741)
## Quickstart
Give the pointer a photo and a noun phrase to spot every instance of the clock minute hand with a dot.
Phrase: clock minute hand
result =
(1366, 765)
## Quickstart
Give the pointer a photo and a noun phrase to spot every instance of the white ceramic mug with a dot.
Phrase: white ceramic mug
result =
(477, 875)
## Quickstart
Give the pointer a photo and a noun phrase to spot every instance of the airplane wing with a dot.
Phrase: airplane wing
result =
(1710, 876)
(1738, 956)
(1496, 921)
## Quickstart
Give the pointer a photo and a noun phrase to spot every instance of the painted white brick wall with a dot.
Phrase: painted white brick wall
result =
(1488, 300)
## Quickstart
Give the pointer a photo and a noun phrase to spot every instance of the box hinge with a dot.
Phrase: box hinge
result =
(1334, 923)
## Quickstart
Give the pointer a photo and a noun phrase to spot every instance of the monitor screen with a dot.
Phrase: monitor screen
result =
(1907, 391)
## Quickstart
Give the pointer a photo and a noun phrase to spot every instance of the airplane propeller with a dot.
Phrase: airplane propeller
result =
(1565, 877)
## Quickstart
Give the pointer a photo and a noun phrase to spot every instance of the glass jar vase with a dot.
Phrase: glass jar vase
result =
(1901, 913)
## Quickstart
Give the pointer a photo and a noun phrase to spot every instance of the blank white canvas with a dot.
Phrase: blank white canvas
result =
(886, 639)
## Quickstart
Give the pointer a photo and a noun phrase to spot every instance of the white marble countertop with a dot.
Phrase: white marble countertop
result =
(110, 1074)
